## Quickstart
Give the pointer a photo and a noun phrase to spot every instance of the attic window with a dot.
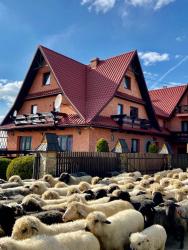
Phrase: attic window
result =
(46, 78)
(127, 82)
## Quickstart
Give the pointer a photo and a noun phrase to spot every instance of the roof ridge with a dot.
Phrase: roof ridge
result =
(171, 87)
(41, 46)
(112, 57)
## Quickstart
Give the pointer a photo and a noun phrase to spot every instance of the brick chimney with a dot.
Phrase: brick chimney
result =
(94, 62)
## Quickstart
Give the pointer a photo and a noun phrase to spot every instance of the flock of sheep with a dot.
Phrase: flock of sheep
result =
(128, 211)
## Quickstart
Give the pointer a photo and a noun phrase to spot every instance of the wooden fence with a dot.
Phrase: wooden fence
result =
(93, 163)
(180, 161)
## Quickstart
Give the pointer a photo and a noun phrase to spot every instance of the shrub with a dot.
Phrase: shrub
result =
(102, 145)
(153, 148)
(4, 162)
(22, 166)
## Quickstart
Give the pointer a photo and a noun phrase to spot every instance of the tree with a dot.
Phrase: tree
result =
(153, 148)
(102, 145)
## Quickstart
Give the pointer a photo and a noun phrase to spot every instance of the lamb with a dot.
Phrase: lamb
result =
(79, 240)
(29, 226)
(152, 238)
(113, 232)
(77, 210)
(16, 178)
(72, 180)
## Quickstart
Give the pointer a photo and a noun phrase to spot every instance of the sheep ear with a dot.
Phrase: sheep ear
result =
(107, 222)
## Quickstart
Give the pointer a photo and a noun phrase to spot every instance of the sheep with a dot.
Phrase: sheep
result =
(77, 210)
(16, 178)
(50, 195)
(21, 190)
(84, 186)
(7, 218)
(72, 180)
(95, 180)
(183, 176)
(60, 185)
(29, 226)
(50, 179)
(73, 190)
(49, 217)
(40, 187)
(152, 238)
(79, 240)
(113, 232)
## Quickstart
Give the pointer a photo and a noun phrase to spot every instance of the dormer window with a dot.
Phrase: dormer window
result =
(127, 82)
(46, 78)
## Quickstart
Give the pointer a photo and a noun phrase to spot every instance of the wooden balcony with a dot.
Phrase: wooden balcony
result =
(134, 123)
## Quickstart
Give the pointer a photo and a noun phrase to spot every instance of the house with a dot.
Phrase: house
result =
(171, 108)
(83, 103)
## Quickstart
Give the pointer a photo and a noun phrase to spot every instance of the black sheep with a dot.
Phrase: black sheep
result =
(50, 217)
(148, 211)
(157, 198)
(7, 218)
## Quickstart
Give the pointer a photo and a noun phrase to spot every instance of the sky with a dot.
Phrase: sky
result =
(84, 29)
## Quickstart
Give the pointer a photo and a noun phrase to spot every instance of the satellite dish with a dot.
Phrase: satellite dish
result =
(15, 113)
(58, 101)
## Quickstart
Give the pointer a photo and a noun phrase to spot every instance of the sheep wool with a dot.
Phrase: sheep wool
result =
(77, 210)
(29, 226)
(79, 240)
(152, 238)
(113, 232)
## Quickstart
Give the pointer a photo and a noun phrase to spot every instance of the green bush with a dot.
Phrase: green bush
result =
(4, 162)
(102, 145)
(22, 166)
(153, 148)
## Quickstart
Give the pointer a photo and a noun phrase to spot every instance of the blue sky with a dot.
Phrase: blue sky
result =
(84, 29)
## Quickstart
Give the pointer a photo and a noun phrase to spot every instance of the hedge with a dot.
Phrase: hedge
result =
(4, 162)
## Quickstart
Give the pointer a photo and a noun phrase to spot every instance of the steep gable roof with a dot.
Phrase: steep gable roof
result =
(165, 100)
(88, 89)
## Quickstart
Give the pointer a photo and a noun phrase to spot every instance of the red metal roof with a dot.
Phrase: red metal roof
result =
(89, 90)
(166, 99)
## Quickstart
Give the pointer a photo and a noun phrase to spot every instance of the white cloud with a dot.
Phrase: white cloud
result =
(99, 5)
(9, 90)
(150, 58)
(180, 38)
(154, 4)
(150, 77)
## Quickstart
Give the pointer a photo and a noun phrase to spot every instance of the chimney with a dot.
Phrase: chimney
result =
(94, 62)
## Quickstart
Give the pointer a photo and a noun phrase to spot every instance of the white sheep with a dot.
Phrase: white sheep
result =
(29, 226)
(113, 232)
(152, 238)
(78, 210)
(79, 240)
(16, 178)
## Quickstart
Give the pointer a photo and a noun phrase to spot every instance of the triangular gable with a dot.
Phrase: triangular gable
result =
(167, 99)
(59, 69)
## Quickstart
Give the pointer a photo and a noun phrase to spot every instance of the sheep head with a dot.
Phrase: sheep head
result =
(26, 227)
(139, 241)
(65, 177)
(38, 187)
(50, 195)
(95, 223)
(75, 210)
(16, 178)
(84, 186)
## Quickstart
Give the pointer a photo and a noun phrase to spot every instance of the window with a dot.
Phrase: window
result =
(127, 82)
(184, 126)
(46, 78)
(134, 113)
(65, 142)
(33, 109)
(25, 143)
(120, 109)
(134, 146)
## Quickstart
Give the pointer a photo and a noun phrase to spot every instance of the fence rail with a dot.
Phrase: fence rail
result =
(93, 163)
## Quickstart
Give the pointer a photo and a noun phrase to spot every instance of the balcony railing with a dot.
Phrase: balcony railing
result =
(39, 118)
(133, 122)
(183, 109)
